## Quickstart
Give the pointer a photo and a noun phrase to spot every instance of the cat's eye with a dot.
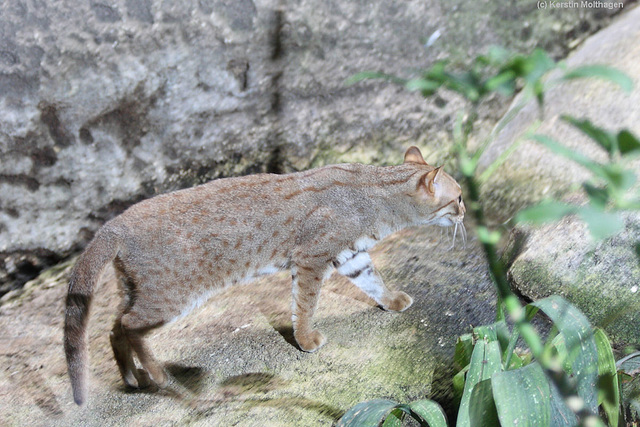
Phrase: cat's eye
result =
(460, 198)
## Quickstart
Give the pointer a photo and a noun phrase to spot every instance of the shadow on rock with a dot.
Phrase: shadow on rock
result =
(190, 377)
(253, 382)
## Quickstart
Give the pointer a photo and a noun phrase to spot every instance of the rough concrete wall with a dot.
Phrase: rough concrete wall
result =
(105, 103)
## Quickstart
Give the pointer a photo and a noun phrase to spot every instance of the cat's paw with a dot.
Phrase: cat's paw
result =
(400, 301)
(142, 379)
(311, 341)
(160, 379)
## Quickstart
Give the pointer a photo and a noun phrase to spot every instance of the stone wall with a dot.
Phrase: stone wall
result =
(105, 103)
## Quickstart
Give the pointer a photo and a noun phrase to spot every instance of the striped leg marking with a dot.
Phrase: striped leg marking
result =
(360, 271)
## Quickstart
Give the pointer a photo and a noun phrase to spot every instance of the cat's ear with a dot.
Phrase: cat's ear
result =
(413, 155)
(430, 180)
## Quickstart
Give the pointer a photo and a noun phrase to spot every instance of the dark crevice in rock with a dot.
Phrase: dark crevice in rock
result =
(275, 164)
(30, 183)
(43, 157)
(114, 208)
(239, 68)
(49, 116)
(17, 268)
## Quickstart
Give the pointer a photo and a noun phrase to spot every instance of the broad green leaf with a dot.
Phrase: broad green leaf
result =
(429, 412)
(498, 331)
(522, 396)
(370, 413)
(482, 408)
(630, 363)
(485, 361)
(627, 142)
(561, 415)
(394, 419)
(608, 387)
(458, 383)
(464, 348)
(546, 211)
(601, 71)
(560, 345)
(601, 224)
(517, 361)
(580, 344)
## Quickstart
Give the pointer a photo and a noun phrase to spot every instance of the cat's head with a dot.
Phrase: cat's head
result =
(439, 196)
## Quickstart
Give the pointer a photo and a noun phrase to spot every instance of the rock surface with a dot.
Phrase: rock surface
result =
(601, 279)
(234, 361)
(105, 103)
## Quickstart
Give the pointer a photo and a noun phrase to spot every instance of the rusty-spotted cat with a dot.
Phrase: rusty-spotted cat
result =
(173, 251)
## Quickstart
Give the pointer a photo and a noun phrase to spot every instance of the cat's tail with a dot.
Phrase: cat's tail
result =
(102, 250)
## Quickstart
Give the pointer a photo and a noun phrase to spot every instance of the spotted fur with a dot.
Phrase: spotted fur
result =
(174, 251)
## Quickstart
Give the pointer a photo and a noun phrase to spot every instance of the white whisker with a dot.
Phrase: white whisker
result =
(455, 233)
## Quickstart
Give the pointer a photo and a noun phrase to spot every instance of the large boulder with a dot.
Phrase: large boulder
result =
(235, 362)
(105, 103)
(601, 278)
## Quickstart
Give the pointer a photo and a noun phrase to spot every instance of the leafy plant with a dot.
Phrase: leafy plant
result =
(567, 378)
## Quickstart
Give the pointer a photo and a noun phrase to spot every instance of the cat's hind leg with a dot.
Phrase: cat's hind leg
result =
(135, 325)
(359, 269)
(123, 355)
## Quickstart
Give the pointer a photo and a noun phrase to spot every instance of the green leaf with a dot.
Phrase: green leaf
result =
(394, 419)
(422, 85)
(546, 211)
(618, 178)
(522, 396)
(370, 413)
(629, 364)
(504, 83)
(539, 63)
(463, 351)
(488, 236)
(570, 154)
(560, 345)
(482, 408)
(429, 412)
(498, 331)
(601, 71)
(485, 361)
(601, 224)
(498, 55)
(458, 383)
(608, 387)
(561, 415)
(627, 142)
(580, 344)
(605, 139)
(598, 196)
(369, 75)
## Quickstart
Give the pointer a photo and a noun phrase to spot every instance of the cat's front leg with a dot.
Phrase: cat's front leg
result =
(359, 269)
(306, 284)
